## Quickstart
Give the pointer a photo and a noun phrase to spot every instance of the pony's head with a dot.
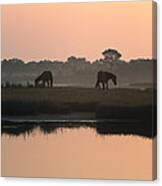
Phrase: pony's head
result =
(114, 79)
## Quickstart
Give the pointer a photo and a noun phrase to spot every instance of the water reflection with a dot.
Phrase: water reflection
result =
(77, 153)
(127, 127)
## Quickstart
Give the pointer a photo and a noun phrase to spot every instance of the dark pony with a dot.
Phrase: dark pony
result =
(45, 79)
(103, 78)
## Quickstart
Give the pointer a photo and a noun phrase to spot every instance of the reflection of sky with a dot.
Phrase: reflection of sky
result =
(77, 154)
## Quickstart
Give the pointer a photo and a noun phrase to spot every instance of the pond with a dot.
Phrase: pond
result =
(77, 153)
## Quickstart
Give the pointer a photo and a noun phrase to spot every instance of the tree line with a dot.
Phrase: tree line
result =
(79, 70)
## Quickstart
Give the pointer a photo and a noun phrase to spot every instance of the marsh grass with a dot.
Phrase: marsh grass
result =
(138, 107)
(32, 101)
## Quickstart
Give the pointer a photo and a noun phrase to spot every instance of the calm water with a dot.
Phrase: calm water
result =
(77, 153)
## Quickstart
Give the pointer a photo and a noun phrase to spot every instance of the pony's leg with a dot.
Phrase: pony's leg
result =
(36, 83)
(48, 83)
(107, 85)
(103, 85)
(51, 83)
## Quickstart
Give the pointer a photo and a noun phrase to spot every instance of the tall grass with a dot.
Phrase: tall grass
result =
(32, 101)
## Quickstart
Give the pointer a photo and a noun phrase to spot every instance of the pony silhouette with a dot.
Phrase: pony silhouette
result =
(103, 78)
(45, 79)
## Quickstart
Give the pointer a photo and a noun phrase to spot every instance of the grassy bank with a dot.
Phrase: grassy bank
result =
(31, 101)
(67, 95)
(115, 103)
(133, 105)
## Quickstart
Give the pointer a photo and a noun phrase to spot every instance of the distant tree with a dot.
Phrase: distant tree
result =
(4, 61)
(71, 59)
(77, 60)
(16, 61)
(111, 55)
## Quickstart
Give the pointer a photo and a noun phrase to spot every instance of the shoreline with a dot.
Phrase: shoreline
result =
(102, 126)
(50, 109)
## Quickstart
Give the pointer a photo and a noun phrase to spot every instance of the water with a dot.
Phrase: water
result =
(77, 153)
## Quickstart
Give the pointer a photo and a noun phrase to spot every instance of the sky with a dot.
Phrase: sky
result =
(57, 31)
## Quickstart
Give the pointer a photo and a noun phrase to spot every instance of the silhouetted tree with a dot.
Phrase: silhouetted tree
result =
(71, 59)
(77, 60)
(111, 55)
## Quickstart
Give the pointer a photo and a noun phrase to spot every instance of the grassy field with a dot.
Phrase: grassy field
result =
(129, 97)
(33, 101)
(131, 105)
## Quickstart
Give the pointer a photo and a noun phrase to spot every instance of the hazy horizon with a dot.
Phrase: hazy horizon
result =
(65, 60)
(59, 30)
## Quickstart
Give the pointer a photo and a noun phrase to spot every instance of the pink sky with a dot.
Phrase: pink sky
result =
(57, 31)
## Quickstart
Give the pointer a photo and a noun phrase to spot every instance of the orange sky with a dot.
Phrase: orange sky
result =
(57, 31)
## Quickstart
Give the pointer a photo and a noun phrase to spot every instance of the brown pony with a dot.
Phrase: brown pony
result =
(103, 78)
(44, 79)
